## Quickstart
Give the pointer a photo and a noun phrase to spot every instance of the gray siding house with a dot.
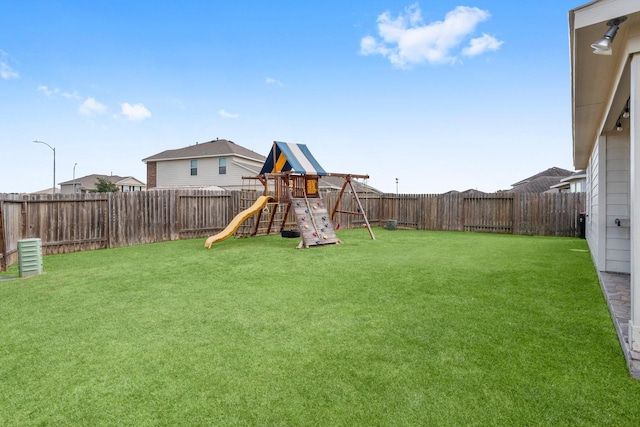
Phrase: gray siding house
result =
(604, 40)
(217, 164)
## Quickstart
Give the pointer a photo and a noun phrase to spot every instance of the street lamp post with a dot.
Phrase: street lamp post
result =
(53, 189)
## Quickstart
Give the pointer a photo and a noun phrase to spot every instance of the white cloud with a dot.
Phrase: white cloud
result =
(48, 92)
(71, 95)
(271, 81)
(135, 112)
(91, 107)
(227, 115)
(6, 72)
(407, 40)
(480, 45)
(55, 91)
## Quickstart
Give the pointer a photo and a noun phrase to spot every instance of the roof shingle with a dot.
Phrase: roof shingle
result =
(215, 148)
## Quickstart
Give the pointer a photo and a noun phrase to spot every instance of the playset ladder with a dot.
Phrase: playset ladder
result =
(271, 219)
(248, 195)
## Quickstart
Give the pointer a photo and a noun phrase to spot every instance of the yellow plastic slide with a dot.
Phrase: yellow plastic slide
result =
(237, 220)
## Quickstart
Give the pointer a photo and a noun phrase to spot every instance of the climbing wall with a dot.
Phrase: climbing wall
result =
(314, 222)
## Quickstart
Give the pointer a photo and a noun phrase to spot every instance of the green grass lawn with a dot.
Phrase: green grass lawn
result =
(414, 328)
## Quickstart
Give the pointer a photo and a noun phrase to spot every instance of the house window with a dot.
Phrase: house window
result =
(194, 167)
(222, 166)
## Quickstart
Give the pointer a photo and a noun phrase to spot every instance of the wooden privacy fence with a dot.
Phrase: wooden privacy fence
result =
(71, 223)
(545, 214)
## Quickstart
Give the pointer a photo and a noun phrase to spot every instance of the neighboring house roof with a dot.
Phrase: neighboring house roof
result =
(46, 191)
(554, 171)
(536, 185)
(336, 183)
(566, 182)
(470, 191)
(540, 182)
(90, 181)
(286, 156)
(215, 148)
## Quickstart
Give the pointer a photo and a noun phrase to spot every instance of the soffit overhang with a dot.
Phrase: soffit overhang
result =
(600, 85)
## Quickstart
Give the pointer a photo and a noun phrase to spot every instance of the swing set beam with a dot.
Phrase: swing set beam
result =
(347, 182)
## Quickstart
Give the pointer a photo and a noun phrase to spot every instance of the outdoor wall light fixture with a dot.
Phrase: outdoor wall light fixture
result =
(626, 112)
(603, 45)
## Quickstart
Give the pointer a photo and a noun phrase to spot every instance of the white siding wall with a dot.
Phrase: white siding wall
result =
(593, 206)
(618, 253)
(177, 173)
(608, 182)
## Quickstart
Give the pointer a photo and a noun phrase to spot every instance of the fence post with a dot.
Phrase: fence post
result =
(461, 218)
(515, 213)
(177, 224)
(108, 220)
(176, 213)
(3, 246)
(25, 216)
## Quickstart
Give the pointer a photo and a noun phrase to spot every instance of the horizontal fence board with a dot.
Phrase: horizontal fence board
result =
(79, 222)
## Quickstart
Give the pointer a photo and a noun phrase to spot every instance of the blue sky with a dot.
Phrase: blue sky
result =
(443, 95)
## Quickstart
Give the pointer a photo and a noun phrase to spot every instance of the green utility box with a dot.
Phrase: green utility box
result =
(30, 257)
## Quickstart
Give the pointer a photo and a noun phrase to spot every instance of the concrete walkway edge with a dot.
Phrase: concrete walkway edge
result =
(617, 291)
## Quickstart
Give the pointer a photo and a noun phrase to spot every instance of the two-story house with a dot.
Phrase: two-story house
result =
(217, 164)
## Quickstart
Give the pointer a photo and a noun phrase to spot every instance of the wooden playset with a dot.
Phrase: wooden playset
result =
(290, 201)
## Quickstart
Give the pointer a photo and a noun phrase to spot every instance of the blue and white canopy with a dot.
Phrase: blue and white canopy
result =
(285, 157)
